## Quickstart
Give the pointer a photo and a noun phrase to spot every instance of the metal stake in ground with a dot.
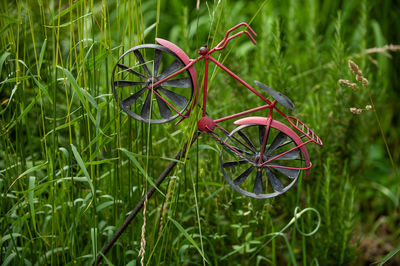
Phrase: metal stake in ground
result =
(139, 206)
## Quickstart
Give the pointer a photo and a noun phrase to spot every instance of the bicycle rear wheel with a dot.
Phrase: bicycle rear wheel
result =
(239, 160)
(140, 67)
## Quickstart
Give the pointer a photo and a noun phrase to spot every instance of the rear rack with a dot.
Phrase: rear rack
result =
(305, 130)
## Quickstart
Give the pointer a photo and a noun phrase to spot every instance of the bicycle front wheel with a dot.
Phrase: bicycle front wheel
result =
(140, 67)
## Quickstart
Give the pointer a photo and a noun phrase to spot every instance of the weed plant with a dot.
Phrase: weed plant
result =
(73, 165)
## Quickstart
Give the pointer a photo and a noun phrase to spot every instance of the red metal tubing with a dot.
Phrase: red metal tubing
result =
(283, 153)
(238, 140)
(176, 73)
(242, 113)
(267, 127)
(224, 143)
(240, 80)
(219, 48)
(234, 28)
(170, 105)
(288, 167)
(205, 85)
(314, 138)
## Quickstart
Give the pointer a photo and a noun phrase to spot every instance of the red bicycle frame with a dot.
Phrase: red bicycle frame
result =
(205, 54)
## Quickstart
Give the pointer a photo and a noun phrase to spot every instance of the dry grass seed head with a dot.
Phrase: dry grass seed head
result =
(355, 110)
(354, 67)
(349, 84)
(364, 82)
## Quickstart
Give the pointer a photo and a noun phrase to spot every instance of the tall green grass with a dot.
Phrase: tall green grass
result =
(73, 165)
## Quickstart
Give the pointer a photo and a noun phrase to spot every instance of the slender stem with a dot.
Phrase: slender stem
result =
(382, 133)
(139, 206)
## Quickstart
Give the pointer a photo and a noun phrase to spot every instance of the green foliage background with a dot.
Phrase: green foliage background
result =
(69, 157)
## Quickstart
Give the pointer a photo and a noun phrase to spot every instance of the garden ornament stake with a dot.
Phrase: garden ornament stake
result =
(261, 158)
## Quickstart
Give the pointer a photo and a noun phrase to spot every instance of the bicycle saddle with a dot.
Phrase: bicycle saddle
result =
(279, 97)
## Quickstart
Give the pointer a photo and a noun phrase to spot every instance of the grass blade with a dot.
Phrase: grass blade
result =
(83, 167)
(30, 170)
(131, 156)
(42, 55)
(188, 237)
(32, 180)
(389, 256)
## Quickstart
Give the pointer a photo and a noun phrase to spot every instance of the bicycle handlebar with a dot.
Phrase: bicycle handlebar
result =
(225, 41)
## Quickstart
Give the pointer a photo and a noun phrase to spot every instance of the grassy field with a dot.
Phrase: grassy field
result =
(73, 165)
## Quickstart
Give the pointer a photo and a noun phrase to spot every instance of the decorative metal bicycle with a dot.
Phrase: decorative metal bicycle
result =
(261, 158)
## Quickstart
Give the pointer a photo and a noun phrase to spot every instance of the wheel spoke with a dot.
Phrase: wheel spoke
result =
(163, 107)
(157, 61)
(131, 99)
(285, 143)
(275, 182)
(258, 186)
(279, 139)
(247, 140)
(127, 83)
(261, 134)
(145, 112)
(142, 63)
(291, 173)
(242, 177)
(130, 70)
(178, 99)
(236, 141)
(234, 163)
(232, 149)
(293, 155)
(173, 67)
(178, 83)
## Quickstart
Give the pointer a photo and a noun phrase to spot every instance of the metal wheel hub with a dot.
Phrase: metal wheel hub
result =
(150, 81)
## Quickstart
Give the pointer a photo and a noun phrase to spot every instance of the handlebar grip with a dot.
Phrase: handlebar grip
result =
(249, 33)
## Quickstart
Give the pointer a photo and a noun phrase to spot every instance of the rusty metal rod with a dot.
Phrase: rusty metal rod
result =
(139, 206)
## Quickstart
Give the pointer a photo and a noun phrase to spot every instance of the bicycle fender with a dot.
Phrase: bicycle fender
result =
(252, 120)
(181, 54)
(258, 120)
